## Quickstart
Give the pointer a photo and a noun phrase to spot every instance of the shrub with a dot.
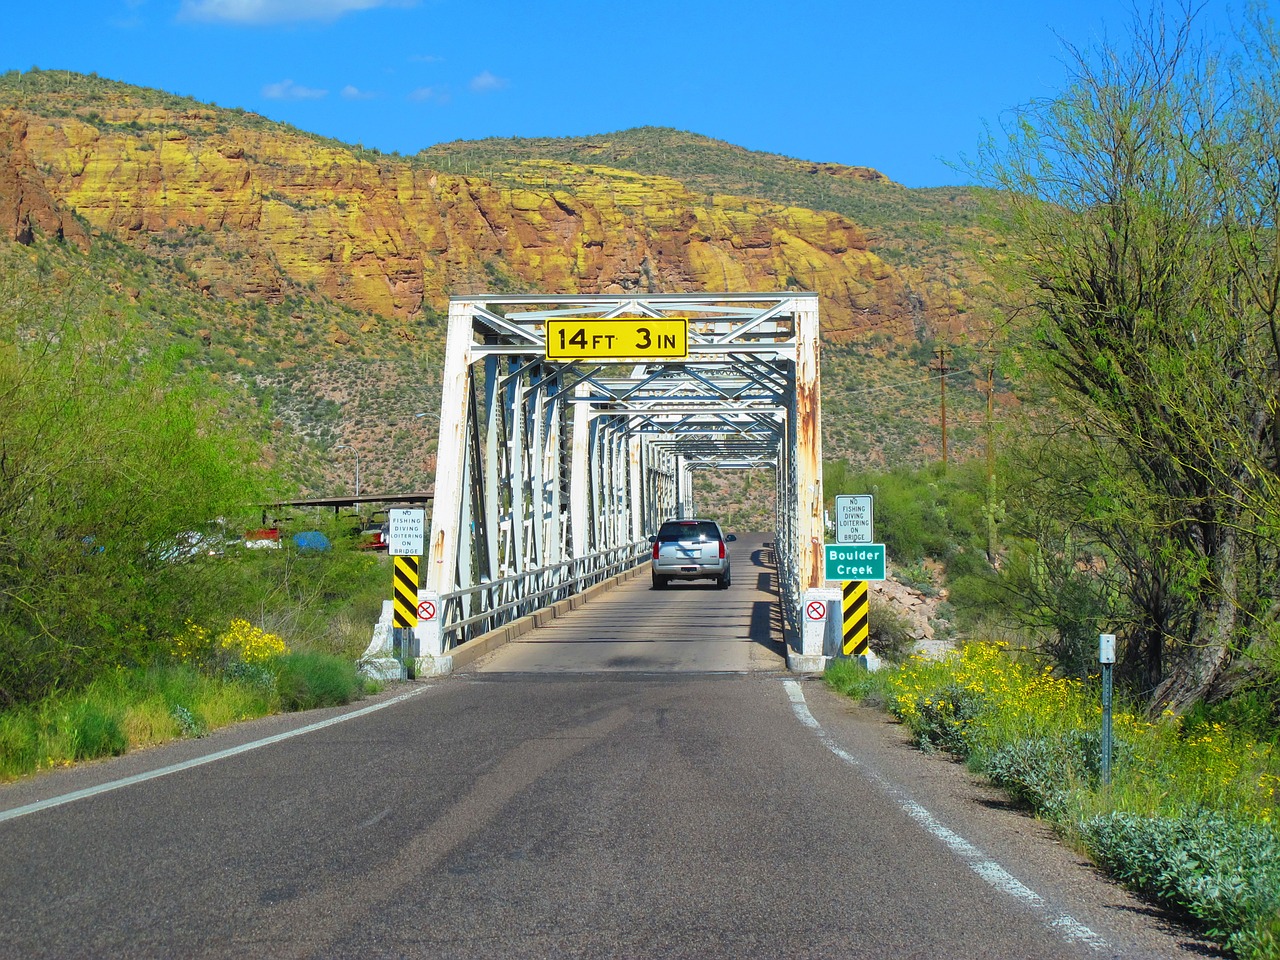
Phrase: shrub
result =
(1222, 871)
(309, 680)
(889, 632)
(19, 744)
(306, 597)
(108, 456)
(1038, 736)
(193, 644)
(943, 719)
(250, 644)
(1252, 711)
(186, 721)
(852, 679)
(1263, 941)
(1042, 772)
(93, 732)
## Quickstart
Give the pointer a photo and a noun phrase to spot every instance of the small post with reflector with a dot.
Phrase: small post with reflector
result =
(856, 628)
(1107, 658)
(406, 535)
(405, 613)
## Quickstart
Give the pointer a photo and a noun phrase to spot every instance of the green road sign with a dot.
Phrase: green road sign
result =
(861, 561)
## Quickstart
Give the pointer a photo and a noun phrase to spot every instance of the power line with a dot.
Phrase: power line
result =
(909, 383)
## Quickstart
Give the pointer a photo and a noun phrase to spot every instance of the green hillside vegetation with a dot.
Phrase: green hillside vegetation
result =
(61, 93)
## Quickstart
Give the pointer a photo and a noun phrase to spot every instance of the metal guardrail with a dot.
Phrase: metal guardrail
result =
(477, 610)
(789, 594)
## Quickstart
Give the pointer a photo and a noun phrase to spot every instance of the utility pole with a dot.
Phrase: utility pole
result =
(347, 446)
(991, 389)
(942, 380)
(991, 469)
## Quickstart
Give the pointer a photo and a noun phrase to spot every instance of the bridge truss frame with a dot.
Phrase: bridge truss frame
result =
(551, 475)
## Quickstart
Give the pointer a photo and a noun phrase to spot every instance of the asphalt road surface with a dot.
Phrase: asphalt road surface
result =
(640, 779)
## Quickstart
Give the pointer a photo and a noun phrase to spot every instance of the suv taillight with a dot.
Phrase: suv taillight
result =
(721, 549)
(655, 549)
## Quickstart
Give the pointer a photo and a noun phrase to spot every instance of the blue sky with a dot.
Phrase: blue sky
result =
(903, 87)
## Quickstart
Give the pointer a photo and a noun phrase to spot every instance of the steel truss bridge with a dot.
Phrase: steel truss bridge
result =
(551, 475)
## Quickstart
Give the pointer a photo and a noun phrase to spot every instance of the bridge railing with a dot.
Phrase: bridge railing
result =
(789, 594)
(476, 610)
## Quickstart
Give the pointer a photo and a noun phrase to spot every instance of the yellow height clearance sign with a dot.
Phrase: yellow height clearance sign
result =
(626, 338)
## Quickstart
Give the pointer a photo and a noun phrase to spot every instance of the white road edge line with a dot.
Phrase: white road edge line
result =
(1071, 929)
(199, 761)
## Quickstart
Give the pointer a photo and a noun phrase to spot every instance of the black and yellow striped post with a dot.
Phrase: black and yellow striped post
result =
(855, 620)
(405, 596)
(404, 614)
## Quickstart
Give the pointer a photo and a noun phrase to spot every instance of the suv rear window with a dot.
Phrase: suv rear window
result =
(688, 530)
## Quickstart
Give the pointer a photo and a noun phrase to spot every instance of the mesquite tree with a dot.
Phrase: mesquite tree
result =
(1145, 200)
(110, 453)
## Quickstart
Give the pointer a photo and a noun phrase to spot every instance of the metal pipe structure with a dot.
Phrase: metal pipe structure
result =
(551, 473)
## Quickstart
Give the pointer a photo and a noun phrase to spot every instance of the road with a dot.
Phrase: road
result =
(639, 779)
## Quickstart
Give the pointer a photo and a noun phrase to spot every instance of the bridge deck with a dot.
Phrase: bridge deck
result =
(686, 627)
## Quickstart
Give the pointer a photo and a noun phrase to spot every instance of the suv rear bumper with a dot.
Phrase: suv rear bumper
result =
(685, 571)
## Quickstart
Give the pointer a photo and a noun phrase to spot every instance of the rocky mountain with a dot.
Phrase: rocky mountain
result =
(327, 266)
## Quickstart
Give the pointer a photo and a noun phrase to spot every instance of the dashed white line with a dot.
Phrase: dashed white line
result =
(1067, 926)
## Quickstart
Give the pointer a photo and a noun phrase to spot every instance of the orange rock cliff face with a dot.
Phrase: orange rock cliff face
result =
(25, 203)
(393, 236)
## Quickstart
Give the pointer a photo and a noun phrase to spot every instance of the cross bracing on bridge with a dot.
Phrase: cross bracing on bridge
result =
(552, 474)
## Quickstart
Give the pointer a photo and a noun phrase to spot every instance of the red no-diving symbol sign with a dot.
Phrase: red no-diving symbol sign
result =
(816, 610)
(426, 610)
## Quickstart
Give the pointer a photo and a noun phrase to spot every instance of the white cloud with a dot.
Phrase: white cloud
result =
(355, 93)
(430, 95)
(277, 11)
(486, 82)
(288, 90)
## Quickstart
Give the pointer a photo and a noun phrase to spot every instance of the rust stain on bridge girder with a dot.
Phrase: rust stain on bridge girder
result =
(808, 449)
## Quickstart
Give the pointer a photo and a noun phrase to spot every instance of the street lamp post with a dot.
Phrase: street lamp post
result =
(347, 446)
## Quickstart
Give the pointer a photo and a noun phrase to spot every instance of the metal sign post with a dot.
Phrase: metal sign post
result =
(1107, 658)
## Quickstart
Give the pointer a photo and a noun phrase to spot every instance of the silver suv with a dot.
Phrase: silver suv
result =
(690, 550)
